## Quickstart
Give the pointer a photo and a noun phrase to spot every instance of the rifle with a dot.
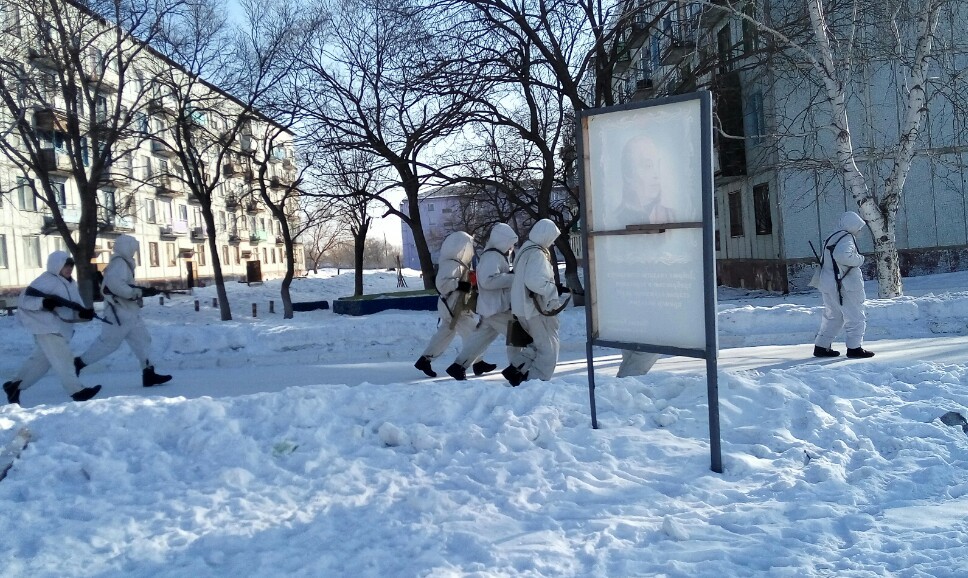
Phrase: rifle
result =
(33, 292)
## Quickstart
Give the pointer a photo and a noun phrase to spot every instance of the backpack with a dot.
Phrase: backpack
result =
(829, 245)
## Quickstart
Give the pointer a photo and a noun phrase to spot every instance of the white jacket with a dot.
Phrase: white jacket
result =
(30, 309)
(494, 275)
(846, 254)
(533, 273)
(119, 276)
(456, 253)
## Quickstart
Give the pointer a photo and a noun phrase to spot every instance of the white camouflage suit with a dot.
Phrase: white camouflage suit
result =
(122, 308)
(456, 253)
(494, 280)
(52, 330)
(848, 315)
(533, 275)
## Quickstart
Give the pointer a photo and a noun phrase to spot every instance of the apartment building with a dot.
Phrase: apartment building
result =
(778, 185)
(152, 112)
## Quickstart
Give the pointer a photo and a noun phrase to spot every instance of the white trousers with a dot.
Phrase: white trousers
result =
(465, 325)
(477, 342)
(51, 350)
(850, 317)
(539, 359)
(126, 326)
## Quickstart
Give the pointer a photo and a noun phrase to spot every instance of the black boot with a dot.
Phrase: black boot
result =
(482, 367)
(859, 353)
(86, 393)
(12, 389)
(78, 365)
(149, 377)
(457, 371)
(514, 375)
(826, 352)
(423, 364)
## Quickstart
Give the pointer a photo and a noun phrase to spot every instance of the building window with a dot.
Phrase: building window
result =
(4, 264)
(200, 253)
(755, 120)
(32, 252)
(430, 207)
(151, 215)
(171, 254)
(265, 256)
(761, 209)
(225, 254)
(735, 214)
(60, 193)
(25, 195)
(751, 41)
(282, 256)
(724, 44)
(11, 20)
(153, 254)
(238, 255)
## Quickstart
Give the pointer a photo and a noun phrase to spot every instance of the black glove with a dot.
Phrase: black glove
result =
(464, 286)
(563, 289)
(149, 291)
(49, 303)
(86, 314)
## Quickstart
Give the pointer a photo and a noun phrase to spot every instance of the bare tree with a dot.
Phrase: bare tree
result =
(350, 180)
(379, 87)
(73, 96)
(219, 145)
(826, 58)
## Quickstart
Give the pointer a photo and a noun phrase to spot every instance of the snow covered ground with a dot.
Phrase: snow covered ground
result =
(312, 447)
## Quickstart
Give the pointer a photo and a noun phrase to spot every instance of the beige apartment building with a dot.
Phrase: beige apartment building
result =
(146, 191)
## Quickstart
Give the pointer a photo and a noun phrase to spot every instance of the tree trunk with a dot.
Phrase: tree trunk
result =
(223, 299)
(359, 247)
(572, 278)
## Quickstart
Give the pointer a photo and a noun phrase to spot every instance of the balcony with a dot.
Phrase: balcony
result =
(199, 234)
(41, 56)
(100, 75)
(253, 207)
(50, 119)
(280, 182)
(234, 238)
(280, 240)
(161, 105)
(256, 237)
(678, 39)
(160, 148)
(52, 161)
(108, 224)
(71, 216)
(231, 169)
(231, 203)
(288, 164)
(174, 230)
(168, 187)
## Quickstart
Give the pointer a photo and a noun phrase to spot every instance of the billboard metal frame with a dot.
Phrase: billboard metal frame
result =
(711, 349)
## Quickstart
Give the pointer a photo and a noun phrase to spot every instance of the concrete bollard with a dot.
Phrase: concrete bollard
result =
(254, 311)
(272, 306)
(196, 305)
(215, 302)
(161, 300)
